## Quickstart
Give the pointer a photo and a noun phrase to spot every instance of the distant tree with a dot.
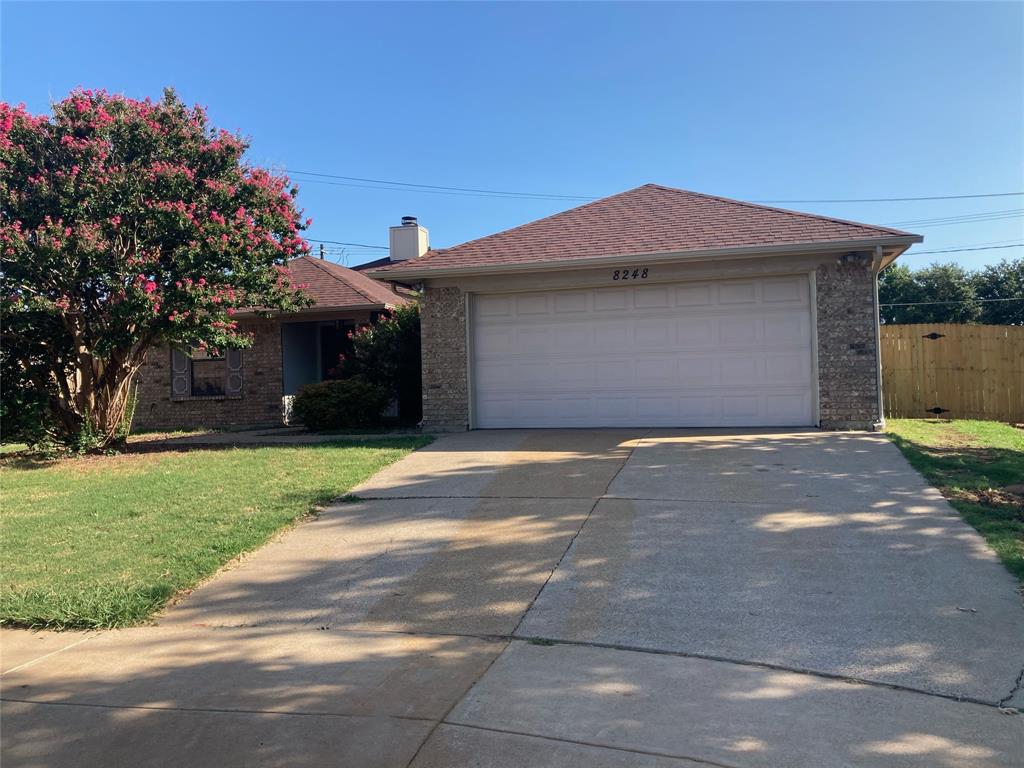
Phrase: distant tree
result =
(1005, 282)
(126, 225)
(940, 293)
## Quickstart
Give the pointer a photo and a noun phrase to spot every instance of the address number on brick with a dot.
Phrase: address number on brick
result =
(639, 273)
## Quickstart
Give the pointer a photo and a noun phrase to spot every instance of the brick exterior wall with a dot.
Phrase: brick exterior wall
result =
(259, 404)
(445, 382)
(847, 353)
(847, 346)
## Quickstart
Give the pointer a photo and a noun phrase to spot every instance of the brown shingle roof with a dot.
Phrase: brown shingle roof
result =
(647, 220)
(335, 286)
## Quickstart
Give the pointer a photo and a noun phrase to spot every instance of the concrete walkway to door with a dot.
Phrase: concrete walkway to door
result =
(554, 598)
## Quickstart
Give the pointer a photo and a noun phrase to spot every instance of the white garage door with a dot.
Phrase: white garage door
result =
(722, 353)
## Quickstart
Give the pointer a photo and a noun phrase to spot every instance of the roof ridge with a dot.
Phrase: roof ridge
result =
(790, 211)
(438, 251)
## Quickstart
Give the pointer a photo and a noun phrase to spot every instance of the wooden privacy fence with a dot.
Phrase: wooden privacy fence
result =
(953, 371)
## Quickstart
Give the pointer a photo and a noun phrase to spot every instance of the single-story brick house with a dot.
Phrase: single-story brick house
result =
(655, 307)
(249, 388)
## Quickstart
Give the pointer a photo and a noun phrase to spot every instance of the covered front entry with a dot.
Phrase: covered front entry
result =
(706, 354)
(310, 350)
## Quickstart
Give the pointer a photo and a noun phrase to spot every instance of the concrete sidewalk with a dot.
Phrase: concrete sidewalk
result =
(590, 597)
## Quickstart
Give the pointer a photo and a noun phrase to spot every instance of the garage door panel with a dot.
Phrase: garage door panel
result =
(741, 330)
(787, 369)
(656, 334)
(691, 334)
(737, 293)
(790, 290)
(741, 406)
(653, 372)
(728, 353)
(787, 329)
(493, 306)
(571, 302)
(788, 406)
(739, 369)
(652, 298)
(606, 300)
(693, 295)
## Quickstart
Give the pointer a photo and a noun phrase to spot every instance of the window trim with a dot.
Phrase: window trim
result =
(181, 376)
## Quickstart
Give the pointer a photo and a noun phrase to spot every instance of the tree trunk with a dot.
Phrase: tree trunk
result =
(92, 408)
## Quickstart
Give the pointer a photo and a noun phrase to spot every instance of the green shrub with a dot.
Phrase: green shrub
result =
(387, 353)
(340, 404)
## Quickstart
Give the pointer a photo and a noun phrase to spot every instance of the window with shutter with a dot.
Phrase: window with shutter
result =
(181, 378)
(233, 383)
(200, 374)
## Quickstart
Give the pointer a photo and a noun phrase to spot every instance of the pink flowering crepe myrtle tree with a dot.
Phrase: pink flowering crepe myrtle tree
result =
(126, 225)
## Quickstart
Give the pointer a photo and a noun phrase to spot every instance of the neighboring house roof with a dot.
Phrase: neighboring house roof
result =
(383, 261)
(333, 286)
(648, 220)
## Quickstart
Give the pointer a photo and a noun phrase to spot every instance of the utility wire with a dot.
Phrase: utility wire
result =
(441, 187)
(960, 250)
(388, 184)
(339, 242)
(509, 196)
(1008, 212)
(958, 301)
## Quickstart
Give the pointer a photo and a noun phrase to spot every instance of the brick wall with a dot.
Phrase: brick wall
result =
(445, 383)
(259, 405)
(847, 352)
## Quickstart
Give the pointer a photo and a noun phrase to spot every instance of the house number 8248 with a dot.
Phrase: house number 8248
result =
(625, 274)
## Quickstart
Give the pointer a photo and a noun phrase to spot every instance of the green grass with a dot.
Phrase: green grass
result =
(106, 541)
(972, 463)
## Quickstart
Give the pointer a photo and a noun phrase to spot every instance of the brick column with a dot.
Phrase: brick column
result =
(445, 378)
(848, 382)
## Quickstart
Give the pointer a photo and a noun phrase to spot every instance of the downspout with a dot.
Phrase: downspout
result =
(876, 263)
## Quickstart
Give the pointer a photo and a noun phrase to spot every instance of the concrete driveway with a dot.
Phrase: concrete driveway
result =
(552, 598)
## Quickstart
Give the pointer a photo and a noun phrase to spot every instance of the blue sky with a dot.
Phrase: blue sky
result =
(757, 101)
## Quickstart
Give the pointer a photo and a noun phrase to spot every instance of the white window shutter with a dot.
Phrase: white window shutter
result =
(180, 378)
(233, 386)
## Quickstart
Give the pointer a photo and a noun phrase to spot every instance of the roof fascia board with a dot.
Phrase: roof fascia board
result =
(275, 314)
(746, 251)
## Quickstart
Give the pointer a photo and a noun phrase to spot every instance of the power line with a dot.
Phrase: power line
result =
(440, 188)
(355, 245)
(965, 219)
(958, 301)
(961, 250)
(1006, 213)
(402, 186)
(896, 199)
(508, 196)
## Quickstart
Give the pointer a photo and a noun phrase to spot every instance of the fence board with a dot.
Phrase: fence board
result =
(972, 371)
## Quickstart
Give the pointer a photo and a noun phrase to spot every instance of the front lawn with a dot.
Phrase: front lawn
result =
(979, 467)
(105, 541)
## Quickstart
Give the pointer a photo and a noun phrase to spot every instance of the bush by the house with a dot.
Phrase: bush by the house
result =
(387, 353)
(340, 404)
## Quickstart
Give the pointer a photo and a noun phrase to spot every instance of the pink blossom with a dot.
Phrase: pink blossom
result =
(149, 287)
